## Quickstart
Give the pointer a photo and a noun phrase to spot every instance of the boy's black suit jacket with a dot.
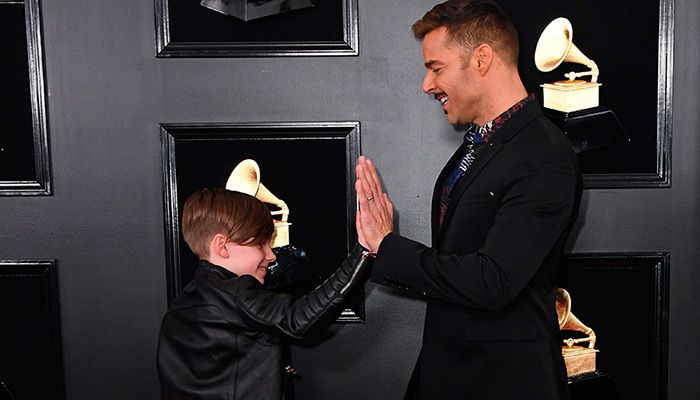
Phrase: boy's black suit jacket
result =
(490, 277)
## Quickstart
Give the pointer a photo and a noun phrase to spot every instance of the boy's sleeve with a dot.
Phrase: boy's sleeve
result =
(295, 317)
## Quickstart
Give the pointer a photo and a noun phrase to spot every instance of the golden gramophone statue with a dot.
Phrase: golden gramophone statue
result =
(245, 178)
(292, 266)
(554, 47)
(573, 104)
(579, 359)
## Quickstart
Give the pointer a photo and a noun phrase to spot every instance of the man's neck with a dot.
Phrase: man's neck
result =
(503, 93)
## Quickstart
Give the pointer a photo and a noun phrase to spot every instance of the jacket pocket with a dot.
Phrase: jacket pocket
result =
(501, 331)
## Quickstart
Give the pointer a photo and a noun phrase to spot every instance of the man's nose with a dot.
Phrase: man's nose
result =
(428, 83)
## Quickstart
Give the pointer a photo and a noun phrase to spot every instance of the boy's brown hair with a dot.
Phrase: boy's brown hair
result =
(243, 219)
(470, 23)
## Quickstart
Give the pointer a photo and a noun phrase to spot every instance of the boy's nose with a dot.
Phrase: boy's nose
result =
(269, 254)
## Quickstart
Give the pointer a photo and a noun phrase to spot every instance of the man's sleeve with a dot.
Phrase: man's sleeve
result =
(535, 209)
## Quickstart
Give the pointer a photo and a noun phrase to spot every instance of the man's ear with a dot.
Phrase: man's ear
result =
(219, 246)
(482, 56)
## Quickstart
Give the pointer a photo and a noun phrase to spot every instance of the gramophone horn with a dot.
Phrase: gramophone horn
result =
(568, 321)
(266, 196)
(245, 178)
(556, 46)
(563, 306)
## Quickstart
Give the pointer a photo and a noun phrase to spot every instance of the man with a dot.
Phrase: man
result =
(502, 208)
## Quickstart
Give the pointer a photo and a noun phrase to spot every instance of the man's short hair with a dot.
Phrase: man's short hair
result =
(243, 219)
(470, 23)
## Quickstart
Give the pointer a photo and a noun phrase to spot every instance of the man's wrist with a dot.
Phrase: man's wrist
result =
(379, 242)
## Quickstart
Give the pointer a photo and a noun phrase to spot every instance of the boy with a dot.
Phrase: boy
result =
(220, 339)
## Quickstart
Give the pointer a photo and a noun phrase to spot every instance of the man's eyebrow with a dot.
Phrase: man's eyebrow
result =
(430, 63)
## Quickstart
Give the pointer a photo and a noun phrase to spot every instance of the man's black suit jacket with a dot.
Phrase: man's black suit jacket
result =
(490, 278)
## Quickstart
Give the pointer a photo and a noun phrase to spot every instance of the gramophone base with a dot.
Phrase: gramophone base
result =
(589, 129)
(570, 97)
(579, 360)
(593, 386)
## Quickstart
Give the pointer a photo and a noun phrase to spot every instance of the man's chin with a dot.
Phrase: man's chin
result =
(452, 121)
(456, 121)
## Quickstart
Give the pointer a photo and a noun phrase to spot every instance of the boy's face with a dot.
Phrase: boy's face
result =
(250, 259)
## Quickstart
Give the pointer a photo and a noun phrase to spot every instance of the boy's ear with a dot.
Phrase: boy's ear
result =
(218, 246)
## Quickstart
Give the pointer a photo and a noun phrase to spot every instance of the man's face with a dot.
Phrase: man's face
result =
(449, 78)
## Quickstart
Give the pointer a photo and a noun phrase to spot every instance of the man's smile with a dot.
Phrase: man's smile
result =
(442, 99)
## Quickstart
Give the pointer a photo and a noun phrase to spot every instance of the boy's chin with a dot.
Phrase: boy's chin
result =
(260, 276)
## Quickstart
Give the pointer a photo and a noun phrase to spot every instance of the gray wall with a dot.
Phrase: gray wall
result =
(104, 223)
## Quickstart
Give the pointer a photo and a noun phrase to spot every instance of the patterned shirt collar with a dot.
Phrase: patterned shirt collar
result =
(483, 134)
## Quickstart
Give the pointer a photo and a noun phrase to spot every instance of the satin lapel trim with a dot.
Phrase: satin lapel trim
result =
(435, 209)
(481, 161)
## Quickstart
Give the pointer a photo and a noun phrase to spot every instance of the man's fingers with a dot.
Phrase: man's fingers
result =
(379, 208)
(375, 217)
(374, 177)
(366, 206)
(386, 203)
(366, 184)
(361, 194)
(371, 185)
(364, 172)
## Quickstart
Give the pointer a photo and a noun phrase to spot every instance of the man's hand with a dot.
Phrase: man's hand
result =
(375, 219)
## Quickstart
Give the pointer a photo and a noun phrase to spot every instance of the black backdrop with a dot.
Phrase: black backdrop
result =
(191, 22)
(622, 37)
(16, 128)
(307, 174)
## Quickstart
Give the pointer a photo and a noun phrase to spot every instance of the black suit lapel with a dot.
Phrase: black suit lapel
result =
(435, 213)
(517, 122)
(482, 159)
